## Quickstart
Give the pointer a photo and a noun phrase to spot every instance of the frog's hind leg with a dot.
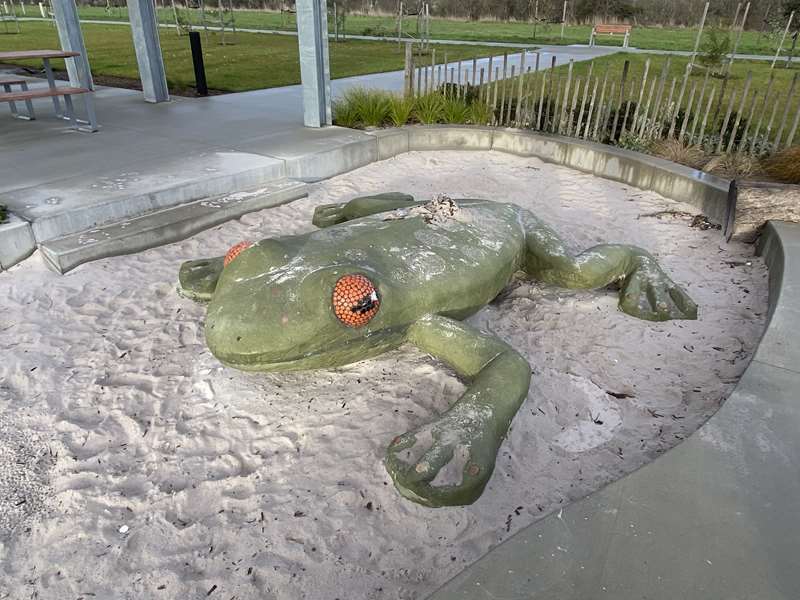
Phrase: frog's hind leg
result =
(326, 215)
(197, 279)
(449, 461)
(646, 291)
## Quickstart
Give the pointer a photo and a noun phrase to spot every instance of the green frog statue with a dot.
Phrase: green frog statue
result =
(385, 270)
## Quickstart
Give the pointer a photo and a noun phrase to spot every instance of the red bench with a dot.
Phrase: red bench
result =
(611, 30)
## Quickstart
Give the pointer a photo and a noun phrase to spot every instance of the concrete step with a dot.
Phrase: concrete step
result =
(164, 226)
(109, 193)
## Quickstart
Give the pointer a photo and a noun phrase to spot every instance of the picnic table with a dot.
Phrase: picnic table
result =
(53, 91)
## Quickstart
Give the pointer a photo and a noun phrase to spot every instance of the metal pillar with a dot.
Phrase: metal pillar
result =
(312, 35)
(144, 27)
(69, 33)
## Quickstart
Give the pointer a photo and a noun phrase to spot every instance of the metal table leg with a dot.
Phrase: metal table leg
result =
(52, 82)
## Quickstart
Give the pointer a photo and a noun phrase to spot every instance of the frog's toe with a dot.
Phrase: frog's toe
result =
(326, 215)
(436, 473)
(197, 279)
(649, 294)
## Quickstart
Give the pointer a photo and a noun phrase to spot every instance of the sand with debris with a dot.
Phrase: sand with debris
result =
(133, 465)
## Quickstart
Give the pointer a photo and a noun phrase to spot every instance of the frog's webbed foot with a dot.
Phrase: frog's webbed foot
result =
(447, 462)
(647, 293)
(197, 279)
(326, 215)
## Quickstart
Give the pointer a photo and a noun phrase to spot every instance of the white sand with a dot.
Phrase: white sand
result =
(174, 477)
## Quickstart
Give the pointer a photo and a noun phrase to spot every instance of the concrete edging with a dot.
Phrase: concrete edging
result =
(708, 193)
(715, 518)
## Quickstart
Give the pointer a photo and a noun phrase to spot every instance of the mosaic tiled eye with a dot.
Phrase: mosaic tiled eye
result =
(355, 300)
(236, 251)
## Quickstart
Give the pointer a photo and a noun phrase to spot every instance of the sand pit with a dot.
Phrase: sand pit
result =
(139, 467)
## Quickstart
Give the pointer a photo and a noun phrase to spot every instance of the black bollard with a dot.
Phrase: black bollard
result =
(199, 67)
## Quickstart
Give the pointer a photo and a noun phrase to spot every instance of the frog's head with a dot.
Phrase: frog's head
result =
(264, 317)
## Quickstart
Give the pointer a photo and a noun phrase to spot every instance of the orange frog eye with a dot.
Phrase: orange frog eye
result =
(235, 251)
(355, 300)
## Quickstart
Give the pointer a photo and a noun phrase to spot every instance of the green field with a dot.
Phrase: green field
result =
(254, 61)
(655, 38)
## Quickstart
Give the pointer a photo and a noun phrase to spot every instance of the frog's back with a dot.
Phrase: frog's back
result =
(446, 265)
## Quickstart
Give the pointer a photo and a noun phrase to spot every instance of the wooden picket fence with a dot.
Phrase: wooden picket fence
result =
(722, 115)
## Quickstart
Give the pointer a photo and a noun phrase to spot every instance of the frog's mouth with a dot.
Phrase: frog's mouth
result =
(342, 353)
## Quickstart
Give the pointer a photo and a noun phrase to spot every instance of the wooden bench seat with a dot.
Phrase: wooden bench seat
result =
(13, 81)
(66, 92)
(611, 30)
(41, 93)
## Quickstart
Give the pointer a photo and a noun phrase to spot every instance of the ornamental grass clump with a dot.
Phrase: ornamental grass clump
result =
(480, 113)
(360, 107)
(454, 111)
(784, 165)
(400, 110)
(429, 108)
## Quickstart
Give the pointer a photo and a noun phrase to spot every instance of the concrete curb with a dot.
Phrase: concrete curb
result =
(16, 241)
(677, 182)
(716, 517)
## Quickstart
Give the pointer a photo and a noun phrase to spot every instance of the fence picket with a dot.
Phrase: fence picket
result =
(764, 105)
(583, 100)
(642, 87)
(503, 91)
(696, 117)
(625, 69)
(590, 114)
(705, 116)
(565, 103)
(667, 107)
(659, 97)
(688, 112)
(520, 85)
(727, 117)
(676, 109)
(505, 110)
(489, 79)
(600, 107)
(779, 135)
(740, 111)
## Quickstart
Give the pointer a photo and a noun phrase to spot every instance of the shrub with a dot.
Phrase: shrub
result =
(784, 165)
(428, 108)
(400, 109)
(3, 214)
(733, 166)
(671, 149)
(455, 110)
(715, 48)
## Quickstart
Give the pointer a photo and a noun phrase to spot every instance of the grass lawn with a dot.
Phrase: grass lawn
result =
(655, 38)
(255, 61)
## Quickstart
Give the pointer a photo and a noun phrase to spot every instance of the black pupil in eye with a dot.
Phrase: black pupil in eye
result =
(366, 304)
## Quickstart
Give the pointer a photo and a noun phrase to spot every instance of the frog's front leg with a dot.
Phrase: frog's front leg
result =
(197, 279)
(449, 461)
(326, 215)
(646, 291)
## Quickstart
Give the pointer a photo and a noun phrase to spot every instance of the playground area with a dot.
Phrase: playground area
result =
(272, 484)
